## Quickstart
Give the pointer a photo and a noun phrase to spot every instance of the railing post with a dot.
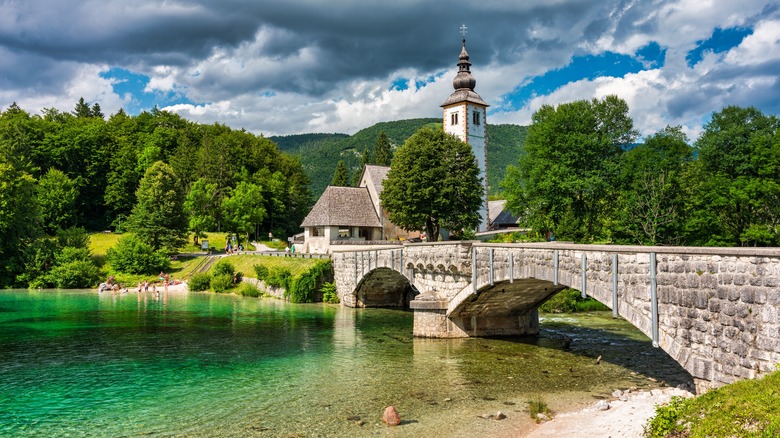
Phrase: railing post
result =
(511, 267)
(376, 259)
(614, 285)
(401, 262)
(654, 298)
(555, 267)
(356, 274)
(491, 266)
(584, 275)
(474, 269)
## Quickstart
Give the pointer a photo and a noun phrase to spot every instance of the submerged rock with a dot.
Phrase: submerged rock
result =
(391, 416)
(500, 415)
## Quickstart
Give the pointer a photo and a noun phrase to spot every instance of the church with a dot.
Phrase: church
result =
(354, 215)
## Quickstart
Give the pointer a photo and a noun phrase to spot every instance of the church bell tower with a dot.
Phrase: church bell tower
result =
(465, 116)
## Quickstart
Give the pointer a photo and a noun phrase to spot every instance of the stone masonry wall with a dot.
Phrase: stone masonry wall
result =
(718, 308)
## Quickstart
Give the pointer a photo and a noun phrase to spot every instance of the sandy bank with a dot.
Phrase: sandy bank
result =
(626, 417)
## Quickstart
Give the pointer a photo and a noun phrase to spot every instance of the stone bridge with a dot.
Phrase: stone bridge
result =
(713, 310)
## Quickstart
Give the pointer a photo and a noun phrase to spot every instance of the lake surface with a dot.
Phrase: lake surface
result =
(78, 363)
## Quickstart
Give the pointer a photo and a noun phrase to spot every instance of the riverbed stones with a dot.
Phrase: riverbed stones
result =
(391, 417)
(500, 415)
(602, 405)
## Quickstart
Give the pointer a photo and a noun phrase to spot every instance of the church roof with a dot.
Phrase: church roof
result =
(464, 82)
(377, 174)
(343, 206)
(464, 95)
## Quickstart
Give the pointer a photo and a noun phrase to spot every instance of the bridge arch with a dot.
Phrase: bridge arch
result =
(384, 287)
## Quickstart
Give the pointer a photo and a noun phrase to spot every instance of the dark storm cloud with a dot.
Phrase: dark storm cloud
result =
(354, 40)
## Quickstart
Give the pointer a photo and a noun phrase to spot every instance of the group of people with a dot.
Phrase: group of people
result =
(144, 286)
(233, 249)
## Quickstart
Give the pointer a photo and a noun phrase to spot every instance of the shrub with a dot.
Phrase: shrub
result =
(224, 266)
(132, 256)
(570, 300)
(329, 293)
(261, 272)
(249, 290)
(199, 282)
(304, 287)
(75, 274)
(221, 283)
(279, 277)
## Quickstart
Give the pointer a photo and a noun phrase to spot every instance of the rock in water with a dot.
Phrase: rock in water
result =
(602, 405)
(500, 415)
(391, 416)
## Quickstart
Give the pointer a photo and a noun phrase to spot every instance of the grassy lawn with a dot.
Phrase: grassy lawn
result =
(745, 409)
(181, 268)
(244, 263)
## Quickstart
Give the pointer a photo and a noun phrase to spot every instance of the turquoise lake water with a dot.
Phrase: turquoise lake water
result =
(78, 363)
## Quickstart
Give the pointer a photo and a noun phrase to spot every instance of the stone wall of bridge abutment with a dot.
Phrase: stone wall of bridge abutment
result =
(716, 310)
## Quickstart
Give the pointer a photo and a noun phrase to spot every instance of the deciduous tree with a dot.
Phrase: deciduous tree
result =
(433, 183)
(159, 218)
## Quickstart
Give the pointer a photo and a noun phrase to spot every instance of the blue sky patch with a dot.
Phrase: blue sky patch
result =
(400, 84)
(720, 41)
(130, 83)
(590, 67)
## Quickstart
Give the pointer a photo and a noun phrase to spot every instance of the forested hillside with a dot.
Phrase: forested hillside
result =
(62, 170)
(320, 153)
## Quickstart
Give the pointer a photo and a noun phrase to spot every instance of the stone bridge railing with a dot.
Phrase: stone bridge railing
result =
(714, 310)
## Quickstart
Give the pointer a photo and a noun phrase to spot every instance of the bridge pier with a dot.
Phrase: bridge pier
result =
(431, 321)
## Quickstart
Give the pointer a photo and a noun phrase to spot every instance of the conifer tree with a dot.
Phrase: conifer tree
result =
(341, 175)
(382, 152)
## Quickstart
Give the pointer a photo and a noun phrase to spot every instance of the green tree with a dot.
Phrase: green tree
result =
(340, 176)
(243, 209)
(82, 109)
(159, 218)
(565, 181)
(652, 200)
(365, 158)
(201, 205)
(382, 151)
(735, 188)
(433, 183)
(57, 200)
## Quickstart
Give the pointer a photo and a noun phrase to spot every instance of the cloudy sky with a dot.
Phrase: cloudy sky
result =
(297, 66)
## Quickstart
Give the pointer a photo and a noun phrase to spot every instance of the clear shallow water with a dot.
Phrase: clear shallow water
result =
(76, 363)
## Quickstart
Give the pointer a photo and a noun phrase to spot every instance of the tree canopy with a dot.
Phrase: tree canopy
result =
(433, 183)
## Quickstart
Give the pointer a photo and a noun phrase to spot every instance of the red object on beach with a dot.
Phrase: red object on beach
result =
(391, 416)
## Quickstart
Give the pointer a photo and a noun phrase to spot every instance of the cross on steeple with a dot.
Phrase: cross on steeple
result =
(463, 31)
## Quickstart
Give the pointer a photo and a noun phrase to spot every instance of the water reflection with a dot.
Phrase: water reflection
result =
(208, 364)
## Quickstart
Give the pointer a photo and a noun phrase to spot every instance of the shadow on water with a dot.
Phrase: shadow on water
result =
(597, 339)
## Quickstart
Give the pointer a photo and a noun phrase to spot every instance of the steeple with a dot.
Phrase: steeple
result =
(464, 78)
(464, 81)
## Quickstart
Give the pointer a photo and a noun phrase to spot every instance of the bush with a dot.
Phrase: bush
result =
(131, 255)
(329, 293)
(199, 282)
(75, 274)
(224, 266)
(249, 290)
(304, 287)
(570, 300)
(221, 283)
(279, 277)
(261, 272)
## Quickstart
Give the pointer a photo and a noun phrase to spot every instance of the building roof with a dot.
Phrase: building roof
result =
(343, 206)
(499, 216)
(377, 174)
